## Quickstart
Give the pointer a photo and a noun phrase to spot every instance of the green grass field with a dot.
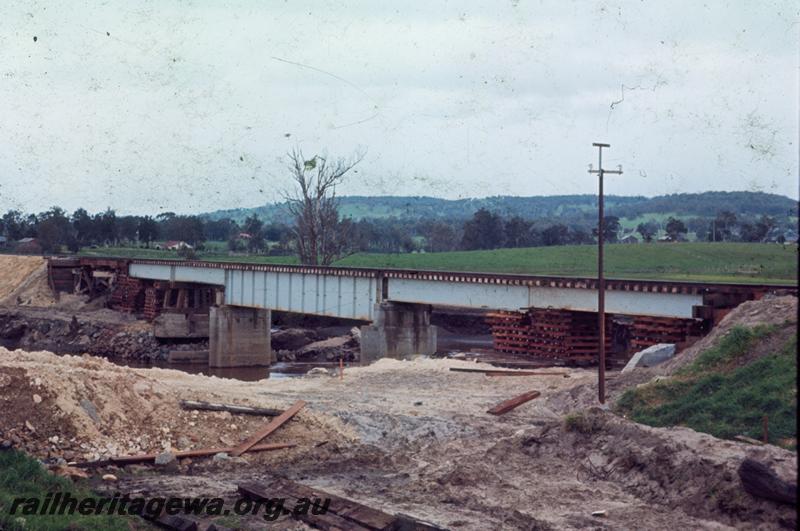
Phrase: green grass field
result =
(22, 476)
(720, 396)
(732, 262)
(712, 262)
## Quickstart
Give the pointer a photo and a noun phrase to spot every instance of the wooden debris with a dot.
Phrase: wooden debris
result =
(404, 522)
(749, 440)
(495, 372)
(231, 408)
(276, 423)
(181, 523)
(202, 452)
(342, 514)
(760, 481)
(508, 405)
(176, 522)
(69, 472)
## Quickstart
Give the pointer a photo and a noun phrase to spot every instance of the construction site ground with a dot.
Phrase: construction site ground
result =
(411, 437)
(408, 437)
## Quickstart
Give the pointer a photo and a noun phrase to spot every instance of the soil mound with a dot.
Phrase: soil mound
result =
(23, 280)
(677, 468)
(83, 408)
(767, 311)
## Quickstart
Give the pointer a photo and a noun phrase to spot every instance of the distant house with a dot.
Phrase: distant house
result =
(630, 238)
(244, 236)
(3, 241)
(177, 245)
(669, 239)
(780, 235)
(28, 246)
(173, 245)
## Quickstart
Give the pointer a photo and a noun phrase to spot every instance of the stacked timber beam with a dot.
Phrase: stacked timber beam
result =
(180, 297)
(153, 300)
(564, 335)
(571, 336)
(60, 274)
(649, 331)
(509, 331)
(128, 294)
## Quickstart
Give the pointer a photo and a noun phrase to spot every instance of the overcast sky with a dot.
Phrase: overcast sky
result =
(158, 106)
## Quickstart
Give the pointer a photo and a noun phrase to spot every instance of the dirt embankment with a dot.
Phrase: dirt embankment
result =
(23, 280)
(84, 408)
(102, 333)
(770, 310)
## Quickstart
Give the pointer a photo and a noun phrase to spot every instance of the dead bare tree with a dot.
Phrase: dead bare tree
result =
(314, 206)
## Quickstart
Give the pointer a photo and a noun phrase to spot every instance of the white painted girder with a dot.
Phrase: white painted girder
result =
(354, 296)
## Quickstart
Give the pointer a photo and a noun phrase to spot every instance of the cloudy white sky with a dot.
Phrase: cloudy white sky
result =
(155, 106)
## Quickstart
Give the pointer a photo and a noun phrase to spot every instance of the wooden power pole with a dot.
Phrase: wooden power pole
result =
(601, 281)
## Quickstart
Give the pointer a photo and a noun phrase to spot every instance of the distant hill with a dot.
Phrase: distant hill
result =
(705, 204)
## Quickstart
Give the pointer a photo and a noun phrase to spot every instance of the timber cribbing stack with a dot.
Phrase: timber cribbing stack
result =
(153, 301)
(571, 336)
(127, 294)
(648, 331)
(565, 335)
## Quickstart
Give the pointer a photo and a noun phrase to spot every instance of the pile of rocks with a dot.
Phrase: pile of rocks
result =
(125, 345)
(78, 336)
(344, 347)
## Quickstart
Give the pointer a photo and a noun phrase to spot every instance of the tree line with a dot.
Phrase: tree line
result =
(317, 233)
(56, 230)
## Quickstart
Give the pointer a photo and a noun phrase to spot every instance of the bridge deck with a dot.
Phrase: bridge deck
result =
(352, 292)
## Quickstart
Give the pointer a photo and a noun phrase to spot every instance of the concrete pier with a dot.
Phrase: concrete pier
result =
(239, 337)
(400, 330)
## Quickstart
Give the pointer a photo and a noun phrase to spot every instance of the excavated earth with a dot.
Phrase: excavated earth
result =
(410, 437)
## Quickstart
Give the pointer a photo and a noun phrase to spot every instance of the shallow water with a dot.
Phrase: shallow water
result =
(278, 371)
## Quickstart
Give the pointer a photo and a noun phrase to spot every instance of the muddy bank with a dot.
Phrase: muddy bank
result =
(122, 337)
(64, 333)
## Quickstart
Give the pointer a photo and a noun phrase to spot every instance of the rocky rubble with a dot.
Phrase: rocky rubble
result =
(344, 347)
(78, 336)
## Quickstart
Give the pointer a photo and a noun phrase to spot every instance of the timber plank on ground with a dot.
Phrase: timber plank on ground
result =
(496, 372)
(276, 423)
(231, 408)
(511, 403)
(201, 452)
(341, 514)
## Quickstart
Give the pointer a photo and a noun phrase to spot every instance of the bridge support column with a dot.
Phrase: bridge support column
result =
(400, 330)
(239, 337)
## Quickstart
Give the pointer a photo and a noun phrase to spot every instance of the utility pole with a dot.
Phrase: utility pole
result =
(601, 281)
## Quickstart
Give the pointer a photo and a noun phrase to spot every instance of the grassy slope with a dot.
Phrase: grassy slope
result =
(717, 395)
(23, 477)
(732, 262)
